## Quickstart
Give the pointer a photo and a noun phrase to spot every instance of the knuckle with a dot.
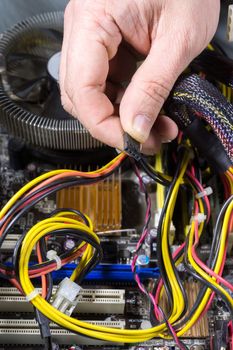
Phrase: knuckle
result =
(155, 90)
(93, 130)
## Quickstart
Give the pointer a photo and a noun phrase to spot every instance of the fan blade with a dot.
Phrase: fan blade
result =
(53, 107)
(34, 90)
(26, 66)
(51, 34)
(19, 56)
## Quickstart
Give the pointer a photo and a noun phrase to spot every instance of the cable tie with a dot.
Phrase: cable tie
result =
(200, 217)
(207, 192)
(32, 295)
(52, 255)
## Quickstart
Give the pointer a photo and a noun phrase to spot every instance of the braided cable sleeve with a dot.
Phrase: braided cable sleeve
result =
(199, 95)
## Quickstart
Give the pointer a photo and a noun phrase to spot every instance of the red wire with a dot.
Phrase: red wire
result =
(230, 175)
(46, 269)
(64, 175)
(43, 277)
(202, 189)
(158, 290)
(230, 326)
(200, 263)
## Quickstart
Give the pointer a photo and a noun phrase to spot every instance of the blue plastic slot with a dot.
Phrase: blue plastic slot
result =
(114, 272)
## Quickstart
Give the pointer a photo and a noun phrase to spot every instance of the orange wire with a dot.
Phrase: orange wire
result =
(43, 277)
(230, 174)
(78, 174)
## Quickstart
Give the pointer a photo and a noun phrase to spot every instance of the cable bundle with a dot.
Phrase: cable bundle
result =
(89, 251)
(195, 97)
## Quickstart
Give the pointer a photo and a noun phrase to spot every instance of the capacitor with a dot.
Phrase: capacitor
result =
(69, 244)
(143, 260)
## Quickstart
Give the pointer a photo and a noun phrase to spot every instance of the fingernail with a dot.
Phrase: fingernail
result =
(142, 125)
(166, 141)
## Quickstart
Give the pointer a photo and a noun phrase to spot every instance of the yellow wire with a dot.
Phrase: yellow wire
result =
(179, 304)
(217, 268)
(32, 237)
(160, 192)
(46, 176)
(104, 333)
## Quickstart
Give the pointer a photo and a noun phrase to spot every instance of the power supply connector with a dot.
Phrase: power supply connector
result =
(132, 147)
(65, 299)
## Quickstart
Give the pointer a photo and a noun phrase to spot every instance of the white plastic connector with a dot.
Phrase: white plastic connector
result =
(207, 192)
(65, 299)
(230, 24)
(200, 217)
(52, 255)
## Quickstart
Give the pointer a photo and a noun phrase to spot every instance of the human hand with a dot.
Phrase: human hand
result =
(102, 43)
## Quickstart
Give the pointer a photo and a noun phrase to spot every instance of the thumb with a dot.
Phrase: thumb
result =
(149, 88)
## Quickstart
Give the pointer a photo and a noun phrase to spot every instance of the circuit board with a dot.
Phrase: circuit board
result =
(110, 296)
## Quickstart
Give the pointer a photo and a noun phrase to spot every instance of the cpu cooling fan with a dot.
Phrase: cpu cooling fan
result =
(30, 106)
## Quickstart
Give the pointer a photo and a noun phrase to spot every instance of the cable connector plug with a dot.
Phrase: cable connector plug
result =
(132, 147)
(65, 299)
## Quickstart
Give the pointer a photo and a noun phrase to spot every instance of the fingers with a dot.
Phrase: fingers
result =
(88, 47)
(149, 88)
(166, 128)
(163, 131)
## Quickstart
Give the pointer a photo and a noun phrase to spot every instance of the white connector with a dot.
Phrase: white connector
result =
(230, 24)
(65, 299)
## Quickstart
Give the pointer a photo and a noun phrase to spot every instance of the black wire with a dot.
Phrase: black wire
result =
(197, 189)
(90, 266)
(147, 200)
(48, 276)
(167, 284)
(75, 234)
(217, 231)
(15, 258)
(48, 345)
(169, 330)
(211, 262)
(71, 210)
(52, 188)
(152, 317)
(209, 285)
(29, 206)
(152, 173)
